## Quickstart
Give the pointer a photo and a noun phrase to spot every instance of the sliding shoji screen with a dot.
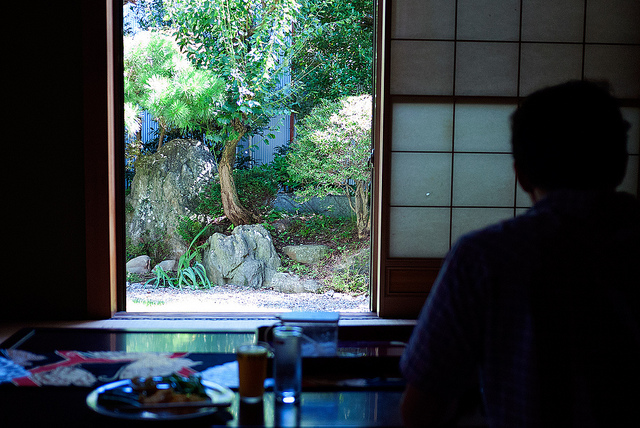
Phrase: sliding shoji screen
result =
(455, 71)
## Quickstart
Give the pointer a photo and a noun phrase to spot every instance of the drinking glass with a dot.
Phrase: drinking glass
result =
(287, 363)
(252, 370)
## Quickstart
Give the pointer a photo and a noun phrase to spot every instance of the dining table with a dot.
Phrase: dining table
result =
(48, 377)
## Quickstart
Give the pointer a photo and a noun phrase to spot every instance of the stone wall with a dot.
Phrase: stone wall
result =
(334, 205)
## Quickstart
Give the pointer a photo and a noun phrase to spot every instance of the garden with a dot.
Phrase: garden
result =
(214, 71)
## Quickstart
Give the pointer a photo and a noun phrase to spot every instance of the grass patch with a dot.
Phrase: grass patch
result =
(148, 302)
(350, 282)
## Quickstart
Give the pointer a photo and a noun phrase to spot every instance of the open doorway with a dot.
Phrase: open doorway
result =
(314, 215)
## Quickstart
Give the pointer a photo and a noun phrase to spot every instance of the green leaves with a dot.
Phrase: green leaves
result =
(333, 145)
(257, 187)
(192, 274)
(189, 272)
(248, 44)
(160, 79)
(338, 58)
(332, 151)
(162, 278)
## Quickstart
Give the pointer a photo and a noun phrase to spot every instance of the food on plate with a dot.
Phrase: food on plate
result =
(162, 392)
(170, 389)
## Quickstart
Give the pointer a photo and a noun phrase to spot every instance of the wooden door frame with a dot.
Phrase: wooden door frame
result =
(399, 286)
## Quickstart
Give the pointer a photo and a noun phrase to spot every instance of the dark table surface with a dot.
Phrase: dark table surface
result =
(65, 406)
(372, 399)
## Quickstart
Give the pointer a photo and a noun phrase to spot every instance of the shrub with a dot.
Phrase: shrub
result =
(324, 227)
(190, 272)
(350, 282)
(332, 154)
(189, 228)
(279, 168)
(256, 188)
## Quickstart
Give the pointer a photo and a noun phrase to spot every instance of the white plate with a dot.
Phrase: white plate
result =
(221, 396)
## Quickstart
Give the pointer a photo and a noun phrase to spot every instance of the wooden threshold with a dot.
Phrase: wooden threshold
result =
(230, 316)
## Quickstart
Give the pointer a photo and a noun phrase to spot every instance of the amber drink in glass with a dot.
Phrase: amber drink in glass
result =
(252, 370)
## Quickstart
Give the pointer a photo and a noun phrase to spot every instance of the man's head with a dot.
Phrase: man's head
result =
(570, 136)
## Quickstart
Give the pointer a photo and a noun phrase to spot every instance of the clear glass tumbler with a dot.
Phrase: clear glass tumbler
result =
(287, 363)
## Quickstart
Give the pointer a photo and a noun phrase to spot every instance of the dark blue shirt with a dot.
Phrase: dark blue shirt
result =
(543, 312)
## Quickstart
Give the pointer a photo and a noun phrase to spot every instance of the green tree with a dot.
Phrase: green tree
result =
(160, 79)
(331, 154)
(249, 44)
(338, 61)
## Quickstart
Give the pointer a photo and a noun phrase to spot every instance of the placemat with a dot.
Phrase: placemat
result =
(89, 369)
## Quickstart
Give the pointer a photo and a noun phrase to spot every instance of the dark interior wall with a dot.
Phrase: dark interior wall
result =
(44, 183)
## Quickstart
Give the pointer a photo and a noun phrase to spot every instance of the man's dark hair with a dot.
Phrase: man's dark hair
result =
(570, 136)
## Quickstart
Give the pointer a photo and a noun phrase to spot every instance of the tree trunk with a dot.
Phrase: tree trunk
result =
(230, 202)
(362, 209)
(161, 137)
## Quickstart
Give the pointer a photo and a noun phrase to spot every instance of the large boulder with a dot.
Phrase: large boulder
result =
(289, 283)
(247, 257)
(167, 266)
(165, 188)
(306, 254)
(140, 264)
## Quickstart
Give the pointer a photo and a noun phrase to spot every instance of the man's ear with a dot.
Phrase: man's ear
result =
(523, 180)
(535, 193)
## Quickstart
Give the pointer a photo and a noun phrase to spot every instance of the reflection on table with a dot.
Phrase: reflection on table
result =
(317, 409)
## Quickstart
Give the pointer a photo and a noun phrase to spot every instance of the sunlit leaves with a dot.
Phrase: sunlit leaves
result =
(249, 45)
(333, 146)
(161, 80)
(332, 153)
(338, 60)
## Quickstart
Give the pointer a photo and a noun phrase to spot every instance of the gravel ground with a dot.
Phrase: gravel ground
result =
(233, 298)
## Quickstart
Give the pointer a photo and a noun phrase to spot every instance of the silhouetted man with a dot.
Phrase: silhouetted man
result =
(542, 311)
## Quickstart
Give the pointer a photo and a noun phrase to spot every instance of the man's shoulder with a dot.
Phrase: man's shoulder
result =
(563, 216)
(504, 232)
